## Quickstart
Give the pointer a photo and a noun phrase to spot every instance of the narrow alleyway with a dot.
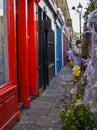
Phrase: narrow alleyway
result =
(44, 111)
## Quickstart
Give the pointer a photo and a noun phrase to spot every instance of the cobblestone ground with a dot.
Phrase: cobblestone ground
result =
(44, 111)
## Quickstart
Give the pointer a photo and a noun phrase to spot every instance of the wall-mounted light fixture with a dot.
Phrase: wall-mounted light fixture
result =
(45, 9)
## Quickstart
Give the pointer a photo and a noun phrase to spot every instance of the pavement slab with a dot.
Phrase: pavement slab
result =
(48, 98)
(50, 121)
(54, 111)
(36, 112)
(41, 104)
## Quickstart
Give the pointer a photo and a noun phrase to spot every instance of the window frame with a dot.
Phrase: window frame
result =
(9, 10)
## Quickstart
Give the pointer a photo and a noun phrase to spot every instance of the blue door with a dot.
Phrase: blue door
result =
(59, 49)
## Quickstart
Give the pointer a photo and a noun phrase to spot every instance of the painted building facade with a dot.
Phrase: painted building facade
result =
(59, 41)
(28, 40)
(46, 42)
(18, 66)
(68, 22)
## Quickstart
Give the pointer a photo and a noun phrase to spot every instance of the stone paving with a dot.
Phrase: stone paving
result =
(44, 111)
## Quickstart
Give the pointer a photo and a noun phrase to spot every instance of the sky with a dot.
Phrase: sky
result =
(1, 7)
(1, 4)
(74, 15)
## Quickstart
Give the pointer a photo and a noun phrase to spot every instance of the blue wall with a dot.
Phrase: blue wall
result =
(59, 49)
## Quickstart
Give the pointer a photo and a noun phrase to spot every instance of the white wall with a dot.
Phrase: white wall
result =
(49, 13)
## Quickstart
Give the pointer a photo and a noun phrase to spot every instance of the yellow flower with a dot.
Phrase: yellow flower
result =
(76, 67)
(68, 112)
(76, 70)
(78, 101)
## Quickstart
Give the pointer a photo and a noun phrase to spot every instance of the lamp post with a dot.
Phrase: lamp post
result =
(79, 11)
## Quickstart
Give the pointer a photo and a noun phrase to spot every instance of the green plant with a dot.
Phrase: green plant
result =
(85, 47)
(90, 8)
(80, 91)
(77, 117)
(86, 39)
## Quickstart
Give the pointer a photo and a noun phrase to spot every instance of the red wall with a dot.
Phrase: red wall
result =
(27, 43)
(23, 52)
(32, 50)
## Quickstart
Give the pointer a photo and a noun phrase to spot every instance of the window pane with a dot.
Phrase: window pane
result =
(3, 46)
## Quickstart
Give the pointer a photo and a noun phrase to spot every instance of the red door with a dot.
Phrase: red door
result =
(9, 113)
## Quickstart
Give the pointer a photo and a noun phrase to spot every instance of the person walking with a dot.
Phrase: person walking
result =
(76, 52)
(76, 62)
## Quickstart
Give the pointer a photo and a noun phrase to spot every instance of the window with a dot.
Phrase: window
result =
(3, 45)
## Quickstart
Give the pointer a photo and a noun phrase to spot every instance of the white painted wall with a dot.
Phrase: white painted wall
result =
(58, 23)
(49, 13)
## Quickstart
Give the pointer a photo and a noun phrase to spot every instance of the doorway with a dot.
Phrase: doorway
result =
(42, 50)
